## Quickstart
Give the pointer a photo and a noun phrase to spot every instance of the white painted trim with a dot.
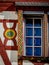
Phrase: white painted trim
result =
(24, 52)
(33, 12)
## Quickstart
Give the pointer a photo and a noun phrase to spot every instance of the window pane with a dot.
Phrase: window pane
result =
(29, 32)
(37, 42)
(37, 22)
(37, 31)
(37, 51)
(29, 41)
(29, 22)
(29, 51)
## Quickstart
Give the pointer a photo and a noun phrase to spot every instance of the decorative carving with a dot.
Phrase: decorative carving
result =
(20, 32)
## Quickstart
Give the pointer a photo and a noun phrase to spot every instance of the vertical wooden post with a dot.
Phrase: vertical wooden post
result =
(20, 35)
(46, 34)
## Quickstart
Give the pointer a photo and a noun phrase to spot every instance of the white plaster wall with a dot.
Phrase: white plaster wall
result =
(2, 62)
(9, 15)
(26, 62)
(13, 55)
(1, 32)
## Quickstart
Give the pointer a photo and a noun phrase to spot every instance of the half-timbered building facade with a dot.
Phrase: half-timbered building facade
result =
(24, 32)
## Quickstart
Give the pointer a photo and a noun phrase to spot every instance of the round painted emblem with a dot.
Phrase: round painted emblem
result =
(10, 33)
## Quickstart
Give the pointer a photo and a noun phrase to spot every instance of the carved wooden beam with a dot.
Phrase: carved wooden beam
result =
(20, 32)
(20, 35)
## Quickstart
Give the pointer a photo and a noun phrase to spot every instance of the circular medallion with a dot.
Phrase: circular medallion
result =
(10, 33)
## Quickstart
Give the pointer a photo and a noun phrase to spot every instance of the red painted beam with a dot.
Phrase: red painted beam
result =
(25, 0)
(11, 48)
(32, 8)
(11, 8)
(4, 54)
(4, 9)
(7, 6)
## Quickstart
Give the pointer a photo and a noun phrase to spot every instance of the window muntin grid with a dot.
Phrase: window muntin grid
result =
(33, 41)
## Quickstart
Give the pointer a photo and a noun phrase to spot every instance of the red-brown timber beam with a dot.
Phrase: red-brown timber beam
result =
(7, 6)
(33, 8)
(24, 0)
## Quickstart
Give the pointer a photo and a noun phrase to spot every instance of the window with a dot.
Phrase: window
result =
(33, 37)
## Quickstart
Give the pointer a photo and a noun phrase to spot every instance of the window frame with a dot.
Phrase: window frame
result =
(24, 34)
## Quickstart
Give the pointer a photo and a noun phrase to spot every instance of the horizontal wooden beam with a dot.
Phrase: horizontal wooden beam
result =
(7, 6)
(35, 59)
(33, 8)
(25, 0)
(11, 47)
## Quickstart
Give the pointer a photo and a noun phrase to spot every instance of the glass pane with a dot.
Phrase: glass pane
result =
(37, 31)
(29, 32)
(37, 51)
(29, 51)
(37, 42)
(29, 41)
(37, 22)
(29, 22)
